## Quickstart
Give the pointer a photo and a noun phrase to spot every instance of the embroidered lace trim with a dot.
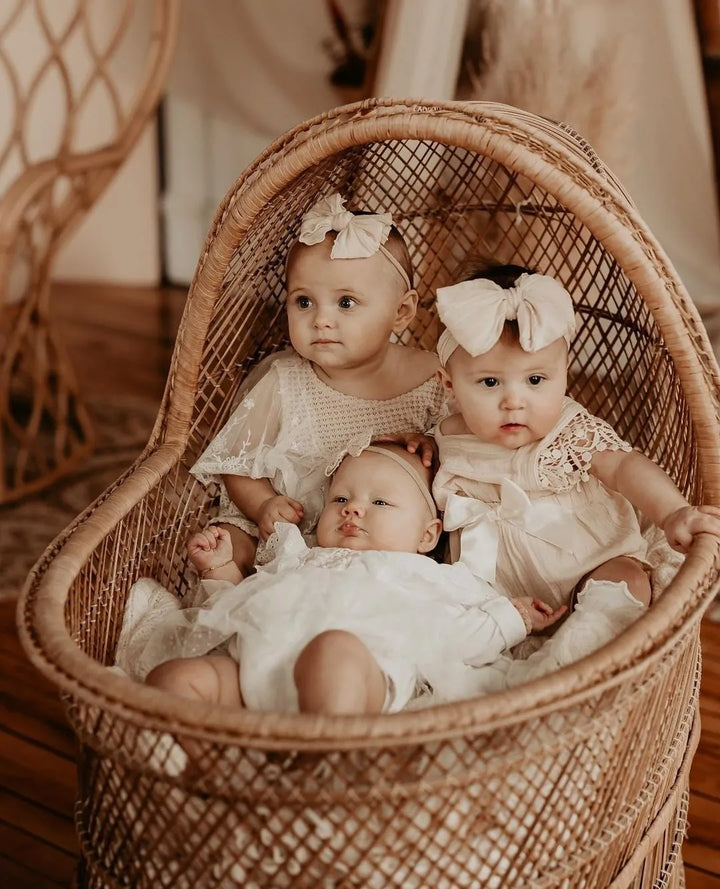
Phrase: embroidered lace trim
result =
(564, 462)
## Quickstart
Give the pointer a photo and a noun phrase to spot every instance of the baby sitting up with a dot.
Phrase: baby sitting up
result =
(364, 622)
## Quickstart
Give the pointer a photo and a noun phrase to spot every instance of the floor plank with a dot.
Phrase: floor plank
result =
(700, 879)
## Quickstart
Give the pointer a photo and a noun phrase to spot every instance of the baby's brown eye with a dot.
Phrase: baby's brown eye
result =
(489, 382)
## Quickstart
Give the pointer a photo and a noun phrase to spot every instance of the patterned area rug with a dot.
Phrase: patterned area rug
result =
(27, 527)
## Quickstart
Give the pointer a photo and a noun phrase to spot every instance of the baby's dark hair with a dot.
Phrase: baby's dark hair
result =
(503, 274)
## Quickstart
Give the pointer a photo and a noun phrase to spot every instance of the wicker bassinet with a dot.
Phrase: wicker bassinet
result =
(576, 780)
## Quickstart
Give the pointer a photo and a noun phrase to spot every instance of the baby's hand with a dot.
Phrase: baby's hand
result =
(210, 548)
(278, 509)
(538, 615)
(416, 443)
(681, 526)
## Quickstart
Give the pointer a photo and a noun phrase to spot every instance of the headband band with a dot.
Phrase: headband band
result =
(411, 471)
(358, 236)
(474, 314)
(446, 345)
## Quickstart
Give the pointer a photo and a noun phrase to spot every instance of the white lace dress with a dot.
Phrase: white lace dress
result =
(428, 625)
(292, 429)
(534, 517)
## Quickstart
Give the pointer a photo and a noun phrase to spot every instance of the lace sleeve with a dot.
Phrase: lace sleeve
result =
(241, 446)
(564, 462)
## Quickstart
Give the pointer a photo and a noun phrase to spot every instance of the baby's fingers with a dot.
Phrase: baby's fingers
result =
(287, 512)
(204, 540)
(707, 521)
(297, 506)
(550, 617)
(428, 450)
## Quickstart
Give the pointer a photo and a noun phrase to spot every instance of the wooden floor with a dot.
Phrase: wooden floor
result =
(121, 341)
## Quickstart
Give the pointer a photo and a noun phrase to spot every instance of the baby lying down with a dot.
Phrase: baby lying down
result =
(364, 622)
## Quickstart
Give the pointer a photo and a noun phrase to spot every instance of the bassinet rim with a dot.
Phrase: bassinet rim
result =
(78, 675)
(172, 425)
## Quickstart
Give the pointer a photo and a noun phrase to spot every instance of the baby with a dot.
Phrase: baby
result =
(362, 623)
(538, 493)
(349, 291)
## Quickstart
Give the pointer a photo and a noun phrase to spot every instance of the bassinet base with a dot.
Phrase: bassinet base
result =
(476, 813)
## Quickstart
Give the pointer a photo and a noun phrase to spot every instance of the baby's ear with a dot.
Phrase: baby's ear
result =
(430, 537)
(407, 307)
(445, 378)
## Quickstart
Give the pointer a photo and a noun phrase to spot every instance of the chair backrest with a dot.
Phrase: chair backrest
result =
(79, 80)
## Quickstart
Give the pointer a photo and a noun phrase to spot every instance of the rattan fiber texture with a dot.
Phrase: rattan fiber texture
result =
(576, 780)
(72, 52)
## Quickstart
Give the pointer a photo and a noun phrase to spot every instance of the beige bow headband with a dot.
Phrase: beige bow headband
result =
(358, 235)
(474, 314)
(361, 443)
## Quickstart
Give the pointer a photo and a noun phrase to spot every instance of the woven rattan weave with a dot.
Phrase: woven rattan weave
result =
(575, 780)
(58, 70)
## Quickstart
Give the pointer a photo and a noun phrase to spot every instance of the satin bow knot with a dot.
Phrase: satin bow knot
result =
(474, 313)
(358, 236)
(479, 523)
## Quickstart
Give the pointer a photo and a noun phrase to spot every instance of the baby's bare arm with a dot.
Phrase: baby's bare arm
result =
(651, 490)
(648, 487)
(248, 494)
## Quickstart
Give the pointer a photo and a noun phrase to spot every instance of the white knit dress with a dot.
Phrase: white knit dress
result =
(292, 429)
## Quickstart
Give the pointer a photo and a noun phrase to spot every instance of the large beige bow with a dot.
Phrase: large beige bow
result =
(479, 523)
(358, 236)
(474, 313)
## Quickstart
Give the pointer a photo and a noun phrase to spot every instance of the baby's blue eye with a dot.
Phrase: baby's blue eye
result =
(490, 382)
(535, 379)
(346, 302)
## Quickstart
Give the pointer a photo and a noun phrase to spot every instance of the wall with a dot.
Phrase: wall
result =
(54, 101)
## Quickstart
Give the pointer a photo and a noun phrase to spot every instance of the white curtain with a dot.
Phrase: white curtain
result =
(245, 72)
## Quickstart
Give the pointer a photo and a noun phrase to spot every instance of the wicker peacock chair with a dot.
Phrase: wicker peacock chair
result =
(579, 779)
(57, 67)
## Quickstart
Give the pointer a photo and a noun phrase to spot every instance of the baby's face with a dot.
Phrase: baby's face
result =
(373, 504)
(508, 396)
(341, 312)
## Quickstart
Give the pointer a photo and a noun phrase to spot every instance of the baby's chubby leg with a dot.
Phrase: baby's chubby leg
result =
(335, 673)
(627, 569)
(212, 678)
